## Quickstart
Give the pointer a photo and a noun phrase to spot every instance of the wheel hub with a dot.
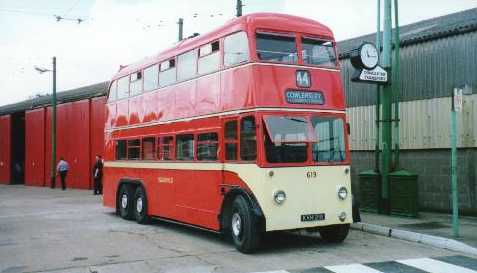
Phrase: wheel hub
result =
(124, 201)
(236, 224)
(139, 204)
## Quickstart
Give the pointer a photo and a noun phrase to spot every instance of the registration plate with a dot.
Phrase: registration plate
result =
(312, 217)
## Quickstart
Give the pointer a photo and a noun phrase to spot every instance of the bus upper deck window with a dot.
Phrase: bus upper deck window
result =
(276, 47)
(186, 65)
(151, 78)
(135, 84)
(235, 49)
(318, 52)
(113, 92)
(123, 87)
(209, 58)
(167, 74)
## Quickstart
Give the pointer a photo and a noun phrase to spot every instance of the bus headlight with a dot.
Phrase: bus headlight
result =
(279, 197)
(342, 193)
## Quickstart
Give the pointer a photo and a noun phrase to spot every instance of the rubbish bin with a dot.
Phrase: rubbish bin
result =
(370, 189)
(403, 193)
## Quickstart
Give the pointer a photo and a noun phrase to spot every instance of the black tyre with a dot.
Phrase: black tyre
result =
(334, 233)
(125, 202)
(243, 227)
(140, 206)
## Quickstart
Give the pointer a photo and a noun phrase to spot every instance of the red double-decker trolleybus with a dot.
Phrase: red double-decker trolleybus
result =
(241, 131)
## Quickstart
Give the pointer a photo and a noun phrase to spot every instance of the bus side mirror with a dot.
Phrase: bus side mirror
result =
(348, 128)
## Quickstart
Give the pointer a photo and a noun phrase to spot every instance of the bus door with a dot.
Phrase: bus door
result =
(196, 188)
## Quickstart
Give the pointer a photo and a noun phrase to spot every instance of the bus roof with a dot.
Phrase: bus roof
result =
(250, 22)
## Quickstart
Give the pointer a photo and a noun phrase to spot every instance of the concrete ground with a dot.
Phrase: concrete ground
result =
(44, 230)
(437, 224)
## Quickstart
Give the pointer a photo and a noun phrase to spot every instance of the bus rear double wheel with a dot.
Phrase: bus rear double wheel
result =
(133, 203)
(125, 202)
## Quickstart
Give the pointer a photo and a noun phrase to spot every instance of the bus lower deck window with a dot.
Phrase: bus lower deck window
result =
(231, 140)
(121, 151)
(134, 149)
(166, 148)
(248, 139)
(185, 147)
(207, 146)
(148, 148)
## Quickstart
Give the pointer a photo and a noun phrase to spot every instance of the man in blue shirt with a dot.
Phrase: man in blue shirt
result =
(62, 169)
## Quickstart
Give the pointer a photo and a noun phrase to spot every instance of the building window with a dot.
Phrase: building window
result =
(186, 65)
(167, 74)
(151, 78)
(276, 47)
(209, 60)
(185, 147)
(149, 148)
(248, 138)
(121, 150)
(165, 151)
(235, 49)
(123, 87)
(134, 149)
(136, 83)
(207, 146)
(231, 140)
(113, 92)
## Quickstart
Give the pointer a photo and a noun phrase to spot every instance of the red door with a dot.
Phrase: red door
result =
(35, 147)
(5, 149)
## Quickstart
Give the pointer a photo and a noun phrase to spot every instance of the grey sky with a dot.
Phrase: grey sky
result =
(119, 32)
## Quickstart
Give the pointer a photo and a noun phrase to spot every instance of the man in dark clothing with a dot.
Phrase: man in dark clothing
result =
(62, 168)
(98, 175)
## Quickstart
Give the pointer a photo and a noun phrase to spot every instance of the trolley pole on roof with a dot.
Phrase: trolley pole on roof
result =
(53, 127)
(181, 28)
(239, 8)
(386, 96)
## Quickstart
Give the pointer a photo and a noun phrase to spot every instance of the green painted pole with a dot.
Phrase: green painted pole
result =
(386, 95)
(455, 203)
(396, 84)
(378, 91)
(53, 127)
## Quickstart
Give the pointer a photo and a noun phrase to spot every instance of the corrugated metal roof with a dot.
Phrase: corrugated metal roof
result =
(435, 28)
(437, 55)
(85, 92)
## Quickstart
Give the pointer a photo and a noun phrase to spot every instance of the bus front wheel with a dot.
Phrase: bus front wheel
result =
(243, 228)
(334, 233)
(125, 202)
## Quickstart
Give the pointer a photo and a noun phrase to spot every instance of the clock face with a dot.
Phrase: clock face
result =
(369, 56)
